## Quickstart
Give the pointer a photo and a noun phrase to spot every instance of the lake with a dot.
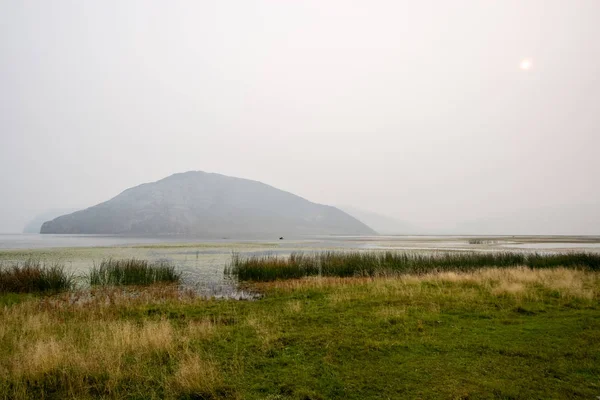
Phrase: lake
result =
(202, 261)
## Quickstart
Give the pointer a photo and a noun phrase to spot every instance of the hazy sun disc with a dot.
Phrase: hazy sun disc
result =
(526, 64)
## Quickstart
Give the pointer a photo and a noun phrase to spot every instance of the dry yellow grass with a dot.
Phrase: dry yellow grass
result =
(102, 349)
(203, 329)
(343, 296)
(196, 376)
(35, 322)
(40, 357)
(119, 337)
(264, 326)
(98, 299)
(519, 281)
(294, 306)
(95, 342)
(509, 288)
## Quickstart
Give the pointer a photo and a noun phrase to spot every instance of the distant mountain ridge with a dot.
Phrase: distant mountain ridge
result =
(35, 224)
(383, 224)
(207, 204)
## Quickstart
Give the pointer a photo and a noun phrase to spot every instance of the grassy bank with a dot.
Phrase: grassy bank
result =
(32, 276)
(494, 333)
(346, 264)
(132, 272)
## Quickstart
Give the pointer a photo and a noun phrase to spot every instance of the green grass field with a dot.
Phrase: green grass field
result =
(511, 333)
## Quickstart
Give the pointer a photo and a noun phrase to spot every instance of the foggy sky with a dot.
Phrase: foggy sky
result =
(414, 109)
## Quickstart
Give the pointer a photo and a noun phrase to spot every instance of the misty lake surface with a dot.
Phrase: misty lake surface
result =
(556, 245)
(202, 261)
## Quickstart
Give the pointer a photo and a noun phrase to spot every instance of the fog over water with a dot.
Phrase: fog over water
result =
(453, 116)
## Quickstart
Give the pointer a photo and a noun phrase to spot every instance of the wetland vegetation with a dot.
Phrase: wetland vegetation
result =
(493, 333)
(32, 276)
(372, 263)
(349, 325)
(132, 272)
(482, 241)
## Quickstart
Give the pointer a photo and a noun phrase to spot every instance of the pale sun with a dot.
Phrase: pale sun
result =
(526, 64)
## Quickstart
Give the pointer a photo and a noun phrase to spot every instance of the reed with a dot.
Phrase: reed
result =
(347, 264)
(132, 272)
(32, 276)
(482, 241)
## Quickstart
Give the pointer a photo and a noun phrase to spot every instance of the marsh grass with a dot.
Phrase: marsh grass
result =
(32, 276)
(348, 264)
(488, 331)
(557, 282)
(482, 241)
(132, 272)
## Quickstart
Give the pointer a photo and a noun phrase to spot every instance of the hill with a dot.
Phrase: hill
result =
(204, 204)
(35, 224)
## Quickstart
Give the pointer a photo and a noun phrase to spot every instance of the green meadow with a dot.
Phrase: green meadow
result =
(489, 332)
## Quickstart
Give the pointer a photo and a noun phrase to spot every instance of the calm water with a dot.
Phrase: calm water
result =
(202, 262)
(35, 241)
(556, 246)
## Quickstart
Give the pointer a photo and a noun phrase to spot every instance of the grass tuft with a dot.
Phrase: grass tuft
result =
(348, 264)
(196, 377)
(32, 276)
(132, 272)
(482, 241)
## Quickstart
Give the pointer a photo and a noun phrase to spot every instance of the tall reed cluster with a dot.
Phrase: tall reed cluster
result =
(346, 264)
(132, 272)
(32, 276)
